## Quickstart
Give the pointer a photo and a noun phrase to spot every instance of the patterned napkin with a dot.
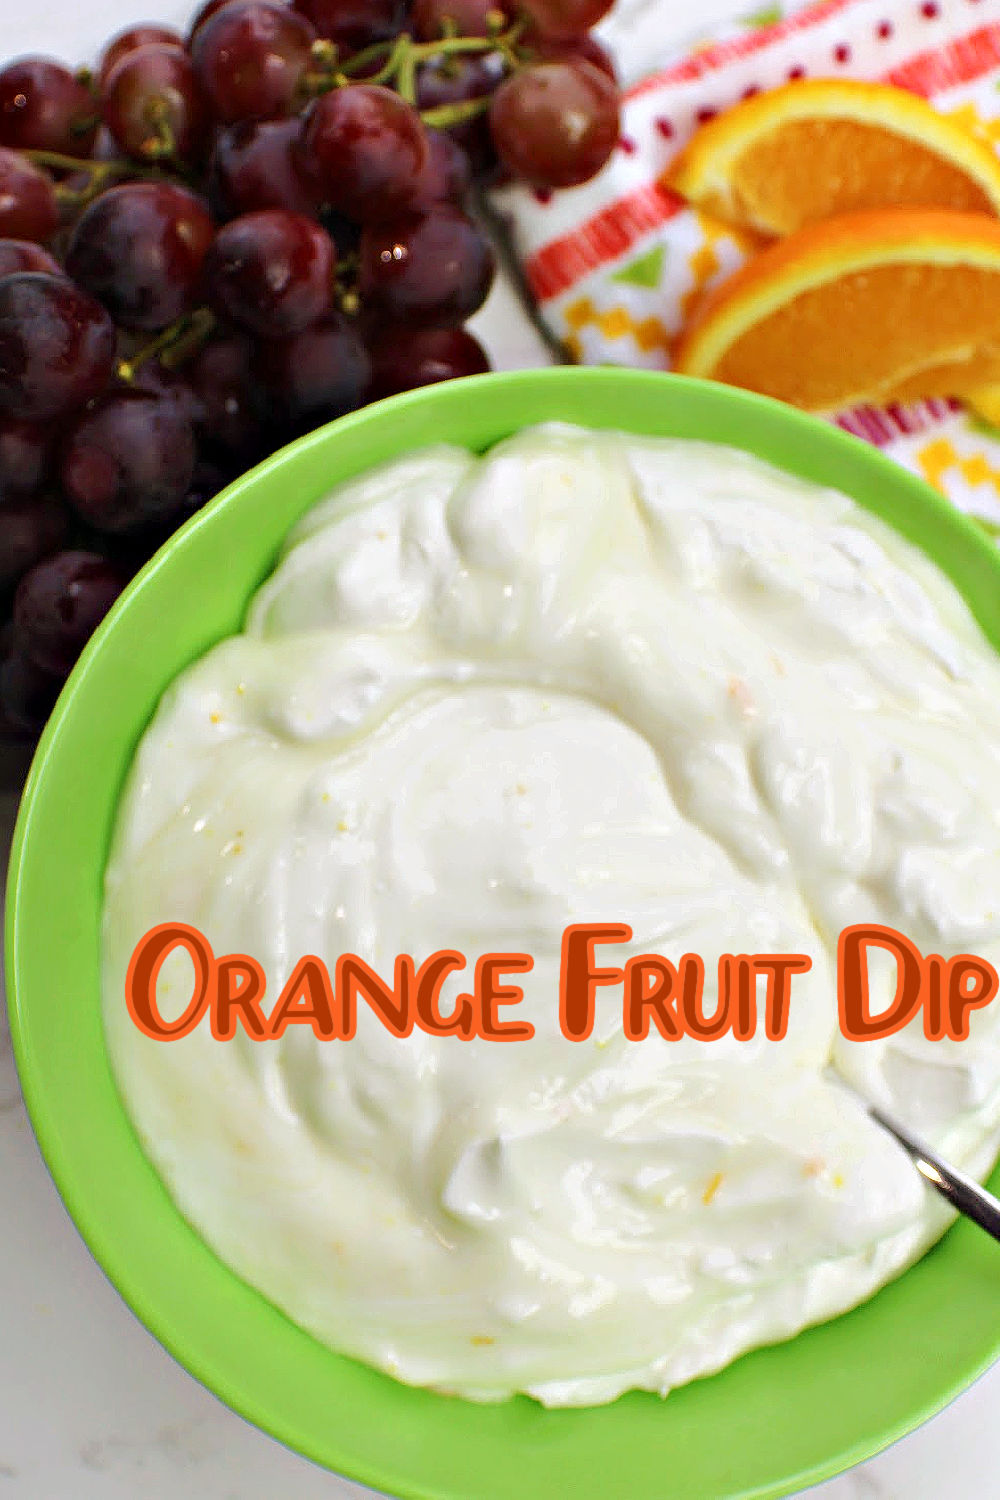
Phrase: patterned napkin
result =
(615, 265)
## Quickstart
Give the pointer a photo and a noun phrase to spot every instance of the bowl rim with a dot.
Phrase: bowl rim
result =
(142, 1292)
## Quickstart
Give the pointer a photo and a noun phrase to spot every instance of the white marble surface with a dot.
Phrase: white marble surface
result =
(91, 1407)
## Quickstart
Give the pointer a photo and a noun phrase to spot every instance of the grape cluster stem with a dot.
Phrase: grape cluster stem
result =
(400, 59)
(173, 345)
(99, 174)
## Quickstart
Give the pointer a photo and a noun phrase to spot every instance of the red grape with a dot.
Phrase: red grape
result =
(29, 208)
(207, 11)
(346, 235)
(426, 269)
(44, 107)
(556, 124)
(422, 358)
(131, 40)
(318, 374)
(447, 175)
(156, 380)
(24, 460)
(128, 461)
(27, 693)
(230, 402)
(255, 165)
(566, 18)
(575, 49)
(25, 255)
(139, 248)
(271, 272)
(208, 480)
(250, 58)
(432, 19)
(59, 604)
(153, 105)
(367, 147)
(29, 531)
(457, 80)
(131, 552)
(354, 23)
(57, 346)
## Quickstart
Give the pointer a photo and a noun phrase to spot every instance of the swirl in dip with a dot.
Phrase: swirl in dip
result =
(584, 678)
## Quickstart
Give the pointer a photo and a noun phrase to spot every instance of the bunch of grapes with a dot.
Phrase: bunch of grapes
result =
(210, 245)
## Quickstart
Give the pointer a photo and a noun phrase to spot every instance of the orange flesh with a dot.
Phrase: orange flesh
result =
(865, 333)
(952, 377)
(804, 170)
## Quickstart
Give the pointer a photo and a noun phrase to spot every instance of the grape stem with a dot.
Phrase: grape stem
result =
(161, 145)
(173, 345)
(98, 174)
(446, 115)
(400, 58)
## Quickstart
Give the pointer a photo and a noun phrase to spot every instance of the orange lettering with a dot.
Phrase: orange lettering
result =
(490, 993)
(578, 978)
(856, 1020)
(649, 985)
(307, 999)
(961, 1000)
(144, 967)
(391, 1003)
(430, 978)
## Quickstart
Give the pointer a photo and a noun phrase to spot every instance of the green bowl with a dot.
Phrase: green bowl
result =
(779, 1418)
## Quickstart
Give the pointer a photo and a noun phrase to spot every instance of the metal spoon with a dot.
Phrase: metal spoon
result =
(961, 1192)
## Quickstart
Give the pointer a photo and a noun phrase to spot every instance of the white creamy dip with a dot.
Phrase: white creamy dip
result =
(586, 677)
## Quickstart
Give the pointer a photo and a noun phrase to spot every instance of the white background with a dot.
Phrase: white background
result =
(91, 1407)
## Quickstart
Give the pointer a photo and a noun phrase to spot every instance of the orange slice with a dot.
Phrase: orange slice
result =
(821, 147)
(984, 400)
(861, 308)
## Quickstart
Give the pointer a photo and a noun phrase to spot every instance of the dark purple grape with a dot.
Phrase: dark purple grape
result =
(153, 105)
(251, 57)
(209, 479)
(29, 208)
(255, 165)
(433, 19)
(231, 405)
(368, 148)
(129, 553)
(27, 694)
(565, 18)
(58, 606)
(432, 269)
(318, 374)
(346, 235)
(45, 107)
(140, 248)
(447, 175)
(29, 530)
(457, 80)
(57, 346)
(131, 40)
(128, 462)
(555, 124)
(271, 272)
(156, 380)
(354, 23)
(25, 255)
(24, 460)
(423, 357)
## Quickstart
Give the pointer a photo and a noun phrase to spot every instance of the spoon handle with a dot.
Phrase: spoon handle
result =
(961, 1192)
